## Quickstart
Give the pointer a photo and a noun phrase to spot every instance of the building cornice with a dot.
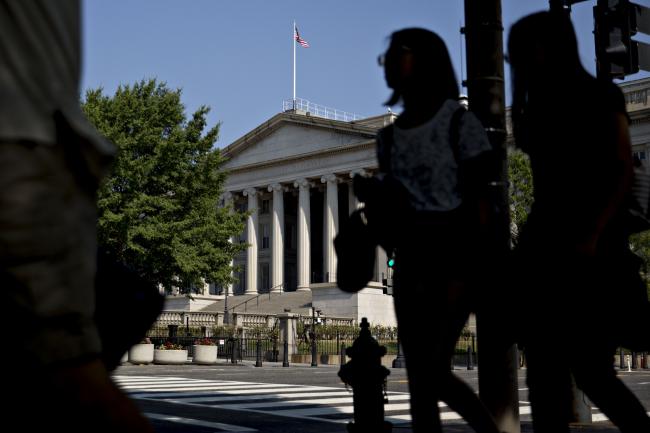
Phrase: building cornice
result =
(362, 145)
(279, 119)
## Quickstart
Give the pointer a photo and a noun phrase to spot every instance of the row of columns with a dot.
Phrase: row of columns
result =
(331, 227)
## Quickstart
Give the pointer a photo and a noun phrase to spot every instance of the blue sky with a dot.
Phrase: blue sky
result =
(236, 56)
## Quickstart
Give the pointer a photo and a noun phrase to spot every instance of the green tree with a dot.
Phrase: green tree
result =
(520, 177)
(640, 245)
(158, 209)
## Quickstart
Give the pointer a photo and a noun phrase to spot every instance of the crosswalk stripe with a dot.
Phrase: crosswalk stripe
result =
(274, 404)
(214, 398)
(295, 401)
(335, 410)
(229, 428)
(233, 392)
(197, 386)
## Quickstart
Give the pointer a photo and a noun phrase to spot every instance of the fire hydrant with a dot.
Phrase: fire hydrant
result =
(367, 377)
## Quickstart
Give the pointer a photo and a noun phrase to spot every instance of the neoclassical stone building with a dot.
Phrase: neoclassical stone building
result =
(293, 173)
(638, 107)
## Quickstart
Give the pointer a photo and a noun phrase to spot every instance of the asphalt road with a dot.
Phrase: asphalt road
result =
(300, 398)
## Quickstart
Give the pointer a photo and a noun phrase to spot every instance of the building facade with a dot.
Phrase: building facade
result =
(293, 175)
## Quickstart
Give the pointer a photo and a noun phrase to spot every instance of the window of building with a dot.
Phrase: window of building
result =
(266, 236)
(640, 155)
(266, 277)
(240, 284)
(266, 206)
(290, 235)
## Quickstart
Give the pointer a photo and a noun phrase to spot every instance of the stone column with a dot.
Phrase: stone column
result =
(304, 222)
(251, 237)
(288, 327)
(277, 238)
(331, 225)
(353, 203)
(229, 202)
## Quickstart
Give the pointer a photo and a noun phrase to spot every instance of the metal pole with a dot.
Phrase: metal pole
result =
(621, 359)
(486, 92)
(258, 357)
(285, 357)
(226, 320)
(293, 42)
(399, 362)
(470, 362)
(314, 349)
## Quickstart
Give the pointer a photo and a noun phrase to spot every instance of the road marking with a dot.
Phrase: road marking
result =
(294, 401)
(214, 398)
(189, 386)
(253, 391)
(331, 410)
(285, 403)
(196, 422)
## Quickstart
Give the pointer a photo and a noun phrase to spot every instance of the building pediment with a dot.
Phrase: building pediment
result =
(289, 136)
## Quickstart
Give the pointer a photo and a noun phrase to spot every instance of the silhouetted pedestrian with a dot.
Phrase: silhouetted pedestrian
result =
(51, 162)
(430, 163)
(573, 248)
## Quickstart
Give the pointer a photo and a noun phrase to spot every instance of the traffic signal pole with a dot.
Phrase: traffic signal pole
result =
(485, 85)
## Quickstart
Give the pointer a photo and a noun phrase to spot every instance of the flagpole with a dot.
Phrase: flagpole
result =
(293, 42)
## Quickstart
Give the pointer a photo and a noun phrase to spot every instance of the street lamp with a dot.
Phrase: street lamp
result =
(314, 349)
(226, 320)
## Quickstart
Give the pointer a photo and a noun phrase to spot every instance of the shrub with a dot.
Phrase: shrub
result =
(168, 345)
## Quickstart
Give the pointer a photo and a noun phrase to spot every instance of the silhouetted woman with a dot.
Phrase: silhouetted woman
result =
(573, 246)
(434, 219)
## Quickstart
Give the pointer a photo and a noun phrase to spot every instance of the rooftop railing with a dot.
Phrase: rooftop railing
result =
(311, 109)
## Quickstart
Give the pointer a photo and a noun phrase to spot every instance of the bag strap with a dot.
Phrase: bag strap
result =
(454, 132)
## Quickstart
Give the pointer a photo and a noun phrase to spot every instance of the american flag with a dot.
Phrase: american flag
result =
(300, 40)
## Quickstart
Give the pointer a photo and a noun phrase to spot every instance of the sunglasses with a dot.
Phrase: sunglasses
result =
(381, 59)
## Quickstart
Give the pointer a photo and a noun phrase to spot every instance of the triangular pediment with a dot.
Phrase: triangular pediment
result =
(288, 135)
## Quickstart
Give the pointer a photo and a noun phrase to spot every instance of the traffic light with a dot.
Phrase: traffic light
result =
(617, 55)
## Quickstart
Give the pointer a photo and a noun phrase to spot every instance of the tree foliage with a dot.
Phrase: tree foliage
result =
(158, 209)
(520, 177)
(640, 245)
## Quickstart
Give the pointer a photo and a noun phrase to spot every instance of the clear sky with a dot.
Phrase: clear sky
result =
(236, 55)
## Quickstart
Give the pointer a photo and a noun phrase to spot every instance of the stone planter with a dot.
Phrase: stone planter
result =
(169, 356)
(204, 354)
(141, 354)
(124, 358)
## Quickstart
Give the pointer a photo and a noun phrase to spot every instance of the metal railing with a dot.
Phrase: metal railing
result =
(256, 299)
(311, 109)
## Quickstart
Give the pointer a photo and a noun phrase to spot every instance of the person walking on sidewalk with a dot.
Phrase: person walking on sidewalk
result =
(572, 253)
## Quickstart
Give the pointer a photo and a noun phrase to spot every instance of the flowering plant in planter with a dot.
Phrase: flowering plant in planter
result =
(204, 342)
(168, 345)
(145, 340)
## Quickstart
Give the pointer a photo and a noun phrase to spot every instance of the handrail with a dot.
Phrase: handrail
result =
(256, 298)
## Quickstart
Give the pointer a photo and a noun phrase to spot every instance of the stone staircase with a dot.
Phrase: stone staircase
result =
(265, 303)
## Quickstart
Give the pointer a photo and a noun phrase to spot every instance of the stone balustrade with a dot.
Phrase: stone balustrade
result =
(239, 319)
